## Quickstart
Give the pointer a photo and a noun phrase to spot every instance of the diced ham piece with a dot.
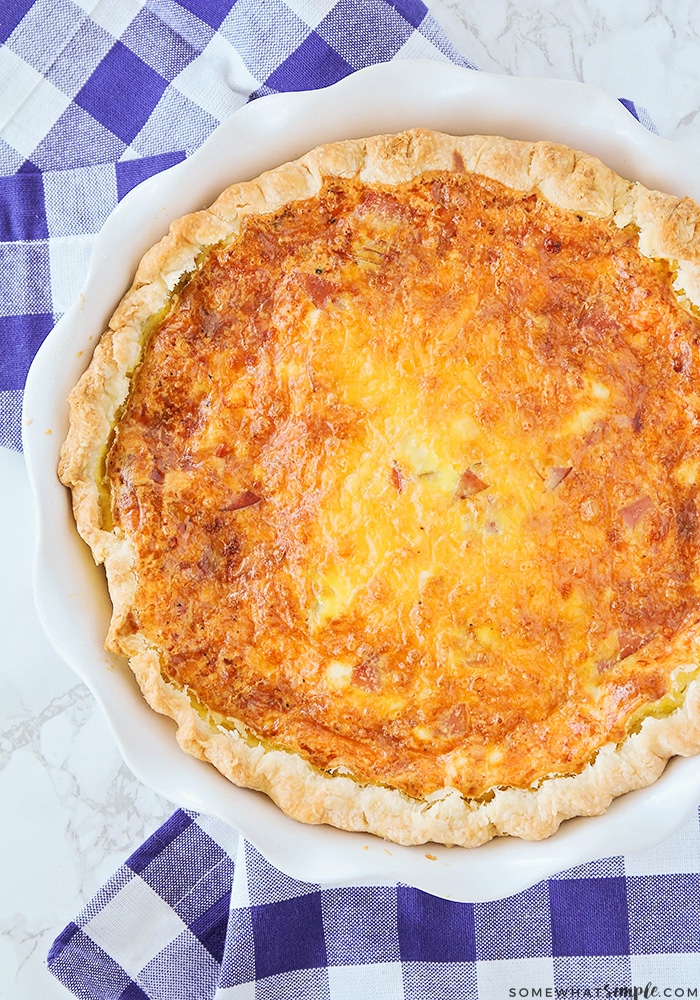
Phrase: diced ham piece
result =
(633, 512)
(320, 290)
(245, 499)
(469, 484)
(629, 642)
(367, 675)
(556, 475)
(396, 478)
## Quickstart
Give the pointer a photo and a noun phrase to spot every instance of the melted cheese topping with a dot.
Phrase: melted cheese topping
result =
(412, 474)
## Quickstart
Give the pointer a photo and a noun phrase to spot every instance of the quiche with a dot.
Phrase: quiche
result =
(392, 460)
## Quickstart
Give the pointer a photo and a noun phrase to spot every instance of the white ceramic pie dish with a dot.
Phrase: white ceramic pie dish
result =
(70, 591)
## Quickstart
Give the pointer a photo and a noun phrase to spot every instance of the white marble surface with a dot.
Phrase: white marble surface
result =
(71, 810)
(644, 50)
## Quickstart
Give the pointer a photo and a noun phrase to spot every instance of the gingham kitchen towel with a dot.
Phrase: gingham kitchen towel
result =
(96, 95)
(198, 913)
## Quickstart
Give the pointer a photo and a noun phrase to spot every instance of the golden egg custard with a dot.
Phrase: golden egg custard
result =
(392, 459)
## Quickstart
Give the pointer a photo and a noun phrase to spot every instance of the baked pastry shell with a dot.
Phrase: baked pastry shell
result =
(71, 593)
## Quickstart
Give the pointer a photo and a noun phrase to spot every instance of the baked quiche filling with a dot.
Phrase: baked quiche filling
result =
(411, 474)
(391, 457)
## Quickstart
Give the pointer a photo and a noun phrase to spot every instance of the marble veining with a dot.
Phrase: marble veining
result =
(72, 811)
(645, 51)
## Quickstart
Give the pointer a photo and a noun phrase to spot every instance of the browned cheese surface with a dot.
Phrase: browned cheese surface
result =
(412, 476)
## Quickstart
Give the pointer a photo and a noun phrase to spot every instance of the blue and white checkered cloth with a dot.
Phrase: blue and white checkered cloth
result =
(197, 912)
(95, 96)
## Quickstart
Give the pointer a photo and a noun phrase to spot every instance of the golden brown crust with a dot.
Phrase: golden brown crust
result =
(568, 180)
